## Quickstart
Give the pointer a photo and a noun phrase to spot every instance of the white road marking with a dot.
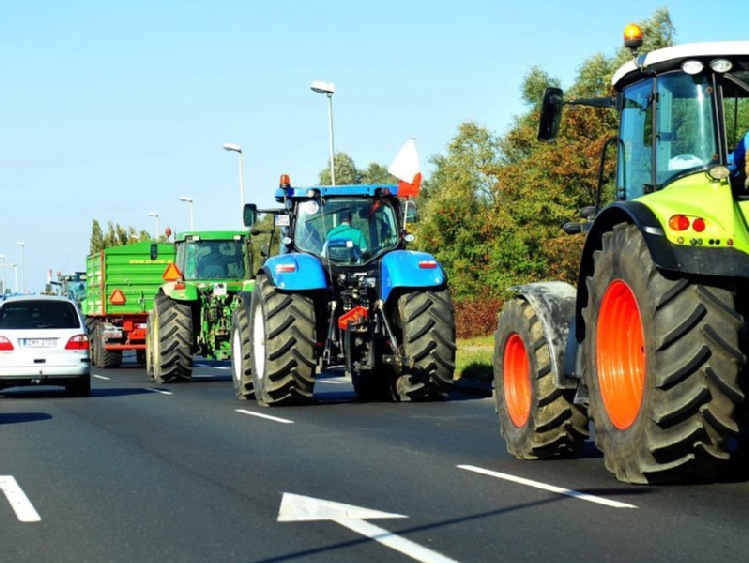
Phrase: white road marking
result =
(101, 377)
(154, 390)
(269, 417)
(19, 502)
(538, 485)
(296, 508)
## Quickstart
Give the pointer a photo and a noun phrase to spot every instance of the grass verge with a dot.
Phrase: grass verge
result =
(473, 359)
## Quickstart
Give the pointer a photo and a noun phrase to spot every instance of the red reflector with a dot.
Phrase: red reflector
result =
(5, 345)
(117, 297)
(698, 224)
(179, 285)
(353, 316)
(78, 342)
(285, 268)
(678, 222)
(427, 264)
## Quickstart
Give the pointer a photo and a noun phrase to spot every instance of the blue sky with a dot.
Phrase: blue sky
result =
(112, 110)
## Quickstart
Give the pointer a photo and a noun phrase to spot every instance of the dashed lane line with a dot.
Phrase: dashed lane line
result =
(266, 416)
(101, 377)
(543, 486)
(160, 391)
(25, 511)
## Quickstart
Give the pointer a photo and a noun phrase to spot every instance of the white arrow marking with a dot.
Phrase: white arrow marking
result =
(297, 508)
(538, 485)
(18, 500)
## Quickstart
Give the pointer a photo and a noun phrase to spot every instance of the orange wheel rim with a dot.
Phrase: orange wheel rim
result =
(517, 380)
(620, 354)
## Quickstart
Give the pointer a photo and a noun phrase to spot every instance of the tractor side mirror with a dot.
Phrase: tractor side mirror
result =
(249, 214)
(551, 114)
(410, 211)
(154, 251)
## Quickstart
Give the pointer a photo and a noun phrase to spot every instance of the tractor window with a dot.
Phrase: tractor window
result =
(346, 230)
(635, 153)
(211, 259)
(736, 107)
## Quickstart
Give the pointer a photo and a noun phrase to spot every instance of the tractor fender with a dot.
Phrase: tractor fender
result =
(188, 291)
(295, 271)
(554, 304)
(695, 260)
(410, 269)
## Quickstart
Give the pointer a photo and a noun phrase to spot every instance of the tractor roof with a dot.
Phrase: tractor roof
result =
(671, 58)
(208, 235)
(346, 190)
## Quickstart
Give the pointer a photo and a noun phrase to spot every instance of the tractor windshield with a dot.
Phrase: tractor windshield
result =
(346, 230)
(683, 136)
(211, 259)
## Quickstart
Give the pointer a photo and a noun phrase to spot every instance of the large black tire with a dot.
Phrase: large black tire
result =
(172, 340)
(662, 365)
(149, 345)
(427, 327)
(241, 354)
(103, 357)
(538, 419)
(284, 345)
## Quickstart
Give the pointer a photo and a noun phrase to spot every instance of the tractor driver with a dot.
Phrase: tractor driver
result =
(344, 231)
(739, 164)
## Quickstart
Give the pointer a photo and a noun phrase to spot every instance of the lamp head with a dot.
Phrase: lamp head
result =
(323, 87)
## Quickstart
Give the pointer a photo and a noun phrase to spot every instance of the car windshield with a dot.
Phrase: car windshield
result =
(211, 259)
(346, 230)
(41, 314)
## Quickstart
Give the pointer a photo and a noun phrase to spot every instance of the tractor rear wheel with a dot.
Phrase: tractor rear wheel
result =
(663, 361)
(284, 345)
(427, 326)
(538, 419)
(172, 340)
(241, 354)
(149, 345)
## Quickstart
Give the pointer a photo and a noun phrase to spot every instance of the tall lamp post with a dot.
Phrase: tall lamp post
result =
(231, 147)
(3, 266)
(156, 216)
(23, 267)
(328, 88)
(192, 217)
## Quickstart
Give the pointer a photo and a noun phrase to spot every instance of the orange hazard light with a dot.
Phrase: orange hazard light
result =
(633, 36)
(172, 273)
(117, 297)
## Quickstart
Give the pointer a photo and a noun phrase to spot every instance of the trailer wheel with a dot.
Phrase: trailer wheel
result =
(662, 365)
(149, 345)
(427, 326)
(172, 340)
(284, 345)
(538, 419)
(241, 354)
(104, 358)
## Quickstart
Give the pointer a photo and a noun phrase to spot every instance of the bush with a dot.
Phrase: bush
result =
(476, 316)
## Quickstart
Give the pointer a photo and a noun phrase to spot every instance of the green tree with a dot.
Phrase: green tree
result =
(346, 172)
(97, 238)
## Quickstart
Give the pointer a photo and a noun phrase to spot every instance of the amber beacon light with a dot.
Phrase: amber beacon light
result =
(633, 36)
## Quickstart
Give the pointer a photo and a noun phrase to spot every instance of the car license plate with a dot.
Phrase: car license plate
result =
(39, 342)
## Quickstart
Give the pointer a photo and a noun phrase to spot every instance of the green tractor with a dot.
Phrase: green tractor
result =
(651, 346)
(192, 310)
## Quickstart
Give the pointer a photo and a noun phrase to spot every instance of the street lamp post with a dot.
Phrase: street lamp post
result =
(23, 268)
(192, 217)
(3, 257)
(231, 147)
(328, 88)
(156, 216)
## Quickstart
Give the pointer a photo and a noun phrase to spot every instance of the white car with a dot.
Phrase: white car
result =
(43, 341)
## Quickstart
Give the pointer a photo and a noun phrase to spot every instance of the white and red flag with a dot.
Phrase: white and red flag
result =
(406, 168)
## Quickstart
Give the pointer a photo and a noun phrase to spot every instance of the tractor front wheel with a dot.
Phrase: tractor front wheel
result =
(241, 354)
(427, 326)
(171, 340)
(284, 345)
(662, 363)
(538, 419)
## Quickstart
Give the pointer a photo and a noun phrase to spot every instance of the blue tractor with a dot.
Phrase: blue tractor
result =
(343, 292)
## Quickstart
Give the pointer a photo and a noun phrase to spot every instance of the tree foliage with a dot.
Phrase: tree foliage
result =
(116, 235)
(346, 172)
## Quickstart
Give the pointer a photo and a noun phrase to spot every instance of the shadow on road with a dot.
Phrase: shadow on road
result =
(18, 417)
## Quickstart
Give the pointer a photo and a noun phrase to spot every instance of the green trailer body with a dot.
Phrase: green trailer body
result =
(121, 284)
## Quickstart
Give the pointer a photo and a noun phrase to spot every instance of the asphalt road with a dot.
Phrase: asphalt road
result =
(186, 472)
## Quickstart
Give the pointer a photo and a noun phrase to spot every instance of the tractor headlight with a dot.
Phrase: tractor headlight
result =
(721, 65)
(692, 67)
